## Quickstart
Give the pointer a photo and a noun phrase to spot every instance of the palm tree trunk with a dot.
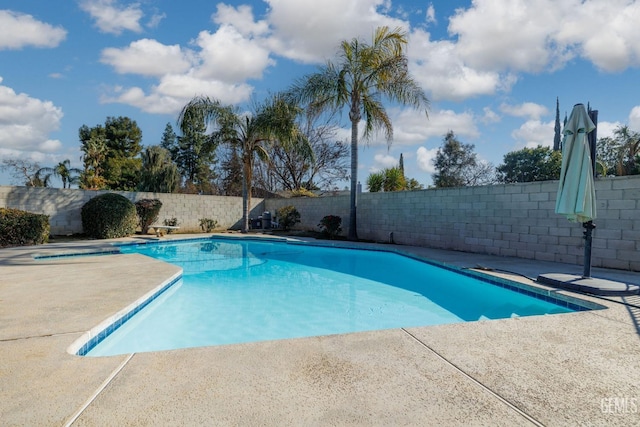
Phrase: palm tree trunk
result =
(353, 202)
(246, 193)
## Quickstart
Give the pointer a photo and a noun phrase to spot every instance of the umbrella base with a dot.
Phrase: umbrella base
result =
(588, 285)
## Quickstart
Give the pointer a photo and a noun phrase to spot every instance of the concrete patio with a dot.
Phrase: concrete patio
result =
(571, 369)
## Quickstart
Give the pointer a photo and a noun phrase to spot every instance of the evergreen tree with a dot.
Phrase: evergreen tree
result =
(453, 160)
(195, 156)
(169, 140)
(557, 139)
(232, 173)
(530, 164)
(111, 154)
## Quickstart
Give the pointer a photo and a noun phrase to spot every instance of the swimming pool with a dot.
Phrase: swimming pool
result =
(242, 290)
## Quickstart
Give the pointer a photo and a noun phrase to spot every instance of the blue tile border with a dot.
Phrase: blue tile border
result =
(78, 254)
(96, 339)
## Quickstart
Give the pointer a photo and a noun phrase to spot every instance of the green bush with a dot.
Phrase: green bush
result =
(330, 226)
(288, 216)
(109, 216)
(148, 211)
(19, 228)
(208, 224)
(303, 192)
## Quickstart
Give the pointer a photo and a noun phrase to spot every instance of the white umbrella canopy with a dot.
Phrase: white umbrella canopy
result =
(576, 192)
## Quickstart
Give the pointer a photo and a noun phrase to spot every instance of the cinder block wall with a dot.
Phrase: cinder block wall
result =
(510, 220)
(63, 207)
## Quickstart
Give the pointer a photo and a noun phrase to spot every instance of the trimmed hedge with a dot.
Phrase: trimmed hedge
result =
(21, 228)
(109, 216)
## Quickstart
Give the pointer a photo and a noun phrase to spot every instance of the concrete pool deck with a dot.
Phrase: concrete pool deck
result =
(572, 369)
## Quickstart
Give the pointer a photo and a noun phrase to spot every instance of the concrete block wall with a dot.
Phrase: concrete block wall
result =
(511, 220)
(63, 206)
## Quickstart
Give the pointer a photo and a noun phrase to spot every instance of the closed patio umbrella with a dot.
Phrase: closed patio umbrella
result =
(577, 201)
(576, 192)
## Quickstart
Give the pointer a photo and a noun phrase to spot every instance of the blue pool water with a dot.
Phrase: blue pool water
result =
(235, 291)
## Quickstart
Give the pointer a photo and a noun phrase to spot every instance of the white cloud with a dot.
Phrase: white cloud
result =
(241, 18)
(218, 66)
(533, 133)
(634, 119)
(411, 127)
(148, 58)
(529, 110)
(440, 70)
(424, 159)
(431, 14)
(230, 57)
(174, 91)
(155, 20)
(506, 34)
(310, 31)
(18, 30)
(443, 121)
(490, 116)
(537, 35)
(606, 129)
(26, 122)
(383, 161)
(110, 17)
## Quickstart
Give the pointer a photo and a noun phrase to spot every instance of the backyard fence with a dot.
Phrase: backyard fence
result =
(509, 220)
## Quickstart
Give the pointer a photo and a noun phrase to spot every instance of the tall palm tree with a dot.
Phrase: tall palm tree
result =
(252, 134)
(64, 172)
(359, 79)
(94, 155)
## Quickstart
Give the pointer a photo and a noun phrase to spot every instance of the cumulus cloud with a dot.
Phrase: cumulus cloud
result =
(538, 35)
(148, 58)
(383, 161)
(217, 65)
(634, 119)
(489, 116)
(533, 133)
(18, 30)
(174, 91)
(317, 37)
(26, 122)
(528, 109)
(442, 72)
(111, 17)
(431, 14)
(425, 158)
(411, 127)
(230, 57)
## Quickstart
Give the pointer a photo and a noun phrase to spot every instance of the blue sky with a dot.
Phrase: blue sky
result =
(491, 68)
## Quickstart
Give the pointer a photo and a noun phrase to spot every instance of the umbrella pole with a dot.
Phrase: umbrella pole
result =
(588, 237)
(589, 225)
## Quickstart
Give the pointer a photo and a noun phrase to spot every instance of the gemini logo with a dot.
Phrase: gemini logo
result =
(619, 405)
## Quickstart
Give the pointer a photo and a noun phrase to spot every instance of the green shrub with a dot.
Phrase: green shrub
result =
(208, 224)
(148, 211)
(303, 192)
(109, 216)
(170, 222)
(288, 216)
(330, 226)
(19, 228)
